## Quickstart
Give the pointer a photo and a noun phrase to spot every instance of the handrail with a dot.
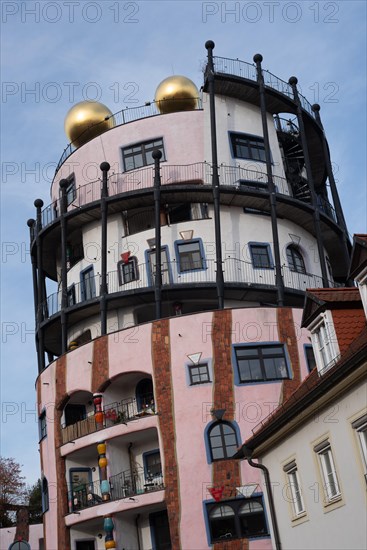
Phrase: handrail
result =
(124, 116)
(235, 270)
(236, 67)
(199, 173)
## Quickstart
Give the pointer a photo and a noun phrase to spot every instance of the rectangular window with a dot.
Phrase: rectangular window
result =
(360, 426)
(199, 374)
(330, 478)
(152, 464)
(294, 486)
(42, 425)
(71, 296)
(88, 287)
(261, 257)
(140, 155)
(310, 357)
(261, 363)
(248, 147)
(190, 255)
(128, 271)
(164, 265)
(324, 342)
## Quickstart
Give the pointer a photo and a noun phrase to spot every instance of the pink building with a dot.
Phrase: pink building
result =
(181, 237)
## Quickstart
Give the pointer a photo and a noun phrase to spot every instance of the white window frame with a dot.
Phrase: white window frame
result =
(324, 341)
(360, 427)
(328, 471)
(298, 504)
(361, 281)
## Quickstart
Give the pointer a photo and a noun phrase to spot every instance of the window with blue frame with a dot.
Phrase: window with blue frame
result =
(260, 363)
(236, 519)
(140, 154)
(128, 271)
(165, 267)
(42, 425)
(88, 287)
(223, 440)
(190, 255)
(261, 256)
(246, 146)
(199, 374)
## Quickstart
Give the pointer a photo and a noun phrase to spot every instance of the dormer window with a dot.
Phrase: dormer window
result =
(324, 342)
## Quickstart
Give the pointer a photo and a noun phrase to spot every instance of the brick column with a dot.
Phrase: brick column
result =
(287, 335)
(225, 473)
(22, 529)
(63, 535)
(100, 363)
(164, 398)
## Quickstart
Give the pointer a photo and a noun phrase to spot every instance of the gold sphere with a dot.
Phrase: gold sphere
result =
(176, 93)
(86, 120)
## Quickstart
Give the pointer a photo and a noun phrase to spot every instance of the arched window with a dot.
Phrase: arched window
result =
(222, 440)
(295, 259)
(252, 518)
(222, 522)
(45, 500)
(144, 394)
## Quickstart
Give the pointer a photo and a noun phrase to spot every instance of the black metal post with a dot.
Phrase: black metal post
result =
(103, 288)
(157, 155)
(316, 214)
(273, 210)
(38, 203)
(64, 281)
(215, 177)
(334, 191)
(32, 229)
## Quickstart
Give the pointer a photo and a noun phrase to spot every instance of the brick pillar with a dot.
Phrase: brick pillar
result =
(287, 335)
(63, 535)
(22, 529)
(164, 398)
(225, 473)
(100, 363)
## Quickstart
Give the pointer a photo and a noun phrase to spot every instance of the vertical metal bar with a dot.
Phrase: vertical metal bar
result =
(333, 188)
(209, 45)
(64, 282)
(157, 155)
(38, 203)
(103, 288)
(272, 197)
(316, 214)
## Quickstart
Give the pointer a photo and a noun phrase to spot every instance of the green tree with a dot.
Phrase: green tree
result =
(35, 503)
(13, 490)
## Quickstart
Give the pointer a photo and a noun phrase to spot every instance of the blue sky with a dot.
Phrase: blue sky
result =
(57, 53)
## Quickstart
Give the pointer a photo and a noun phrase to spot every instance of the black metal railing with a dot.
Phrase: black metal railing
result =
(124, 116)
(127, 484)
(243, 69)
(122, 485)
(235, 270)
(119, 412)
(286, 125)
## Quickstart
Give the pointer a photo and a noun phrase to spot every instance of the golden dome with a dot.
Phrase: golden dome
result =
(86, 120)
(176, 93)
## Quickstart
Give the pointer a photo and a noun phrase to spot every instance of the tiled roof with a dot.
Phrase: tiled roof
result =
(320, 299)
(345, 294)
(307, 387)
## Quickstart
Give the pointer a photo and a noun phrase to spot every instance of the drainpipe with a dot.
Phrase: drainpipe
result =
(133, 480)
(271, 501)
(103, 287)
(157, 155)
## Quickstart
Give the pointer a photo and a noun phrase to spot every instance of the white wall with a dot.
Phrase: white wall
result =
(339, 526)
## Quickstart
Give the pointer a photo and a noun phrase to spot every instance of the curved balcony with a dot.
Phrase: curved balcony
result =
(124, 485)
(121, 412)
(236, 271)
(199, 174)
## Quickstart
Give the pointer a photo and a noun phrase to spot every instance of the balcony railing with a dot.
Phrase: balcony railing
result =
(243, 69)
(199, 173)
(235, 271)
(119, 412)
(123, 485)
